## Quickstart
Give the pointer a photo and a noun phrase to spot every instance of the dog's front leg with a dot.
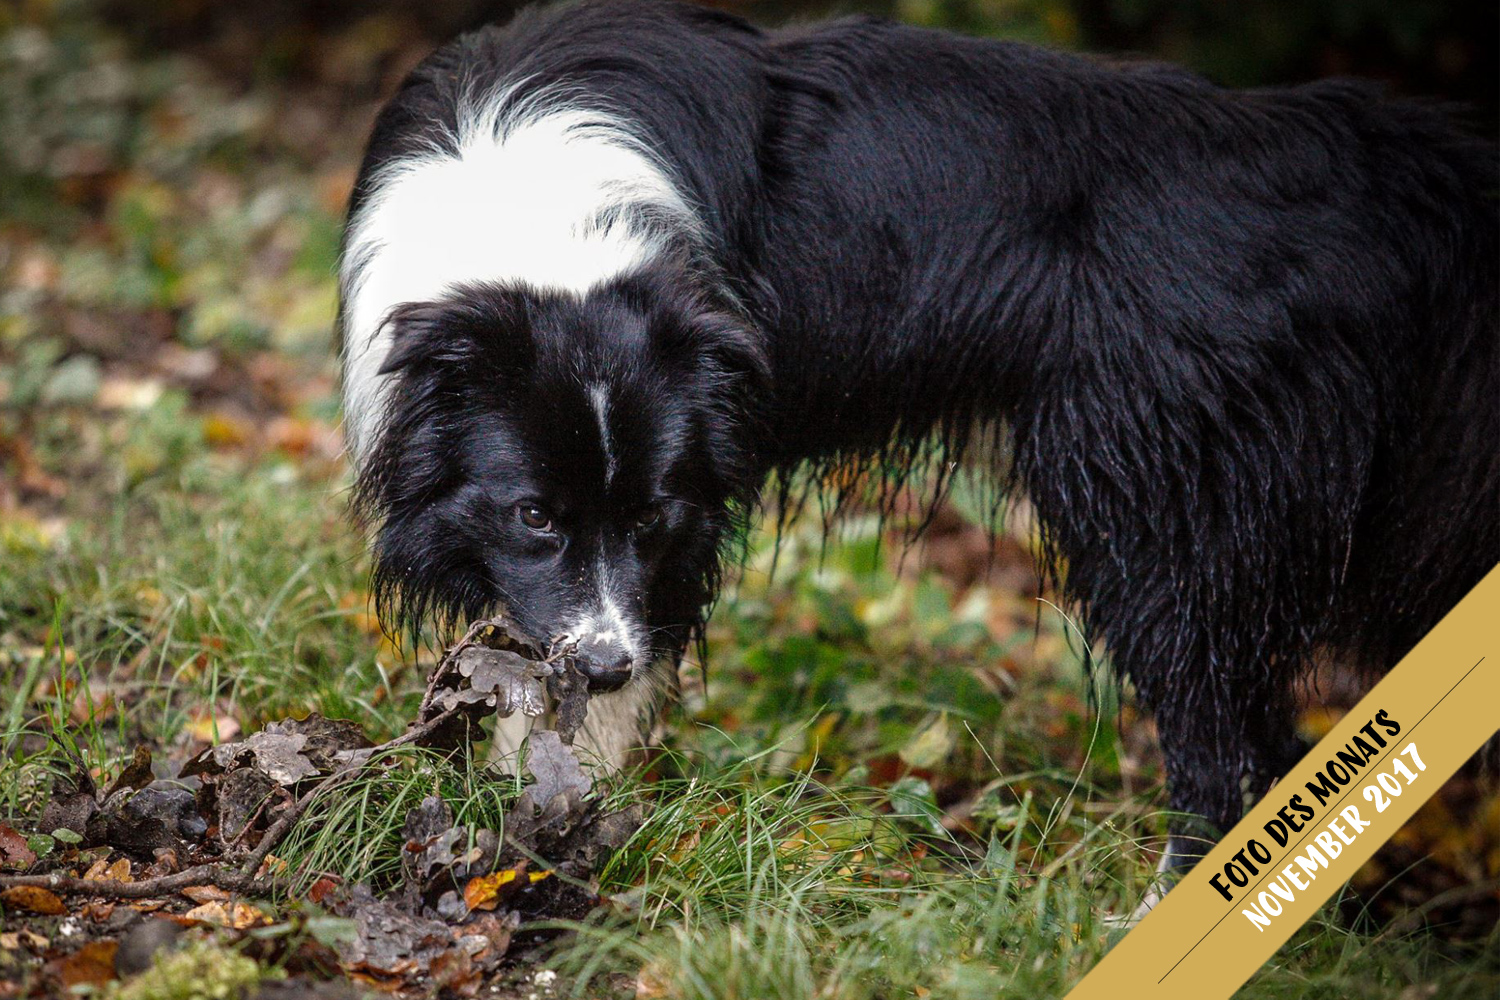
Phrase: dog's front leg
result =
(616, 728)
(618, 725)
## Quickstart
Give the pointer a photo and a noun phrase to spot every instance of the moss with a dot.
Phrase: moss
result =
(200, 970)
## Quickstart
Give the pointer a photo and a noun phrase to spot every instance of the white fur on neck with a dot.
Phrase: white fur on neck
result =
(540, 192)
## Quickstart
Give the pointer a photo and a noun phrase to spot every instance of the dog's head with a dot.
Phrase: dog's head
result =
(578, 461)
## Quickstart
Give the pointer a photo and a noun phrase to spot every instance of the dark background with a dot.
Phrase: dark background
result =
(1428, 47)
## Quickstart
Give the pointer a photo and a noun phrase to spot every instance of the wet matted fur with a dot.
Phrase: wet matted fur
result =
(612, 265)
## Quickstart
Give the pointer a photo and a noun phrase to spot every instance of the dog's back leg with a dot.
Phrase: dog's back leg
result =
(1202, 523)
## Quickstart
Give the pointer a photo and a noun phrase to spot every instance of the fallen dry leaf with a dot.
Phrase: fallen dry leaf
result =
(570, 697)
(389, 943)
(98, 910)
(236, 916)
(484, 893)
(209, 728)
(204, 893)
(14, 852)
(502, 679)
(279, 756)
(102, 870)
(272, 865)
(558, 791)
(320, 890)
(137, 774)
(488, 891)
(92, 965)
(494, 669)
(23, 938)
(491, 933)
(555, 768)
(286, 752)
(165, 864)
(33, 899)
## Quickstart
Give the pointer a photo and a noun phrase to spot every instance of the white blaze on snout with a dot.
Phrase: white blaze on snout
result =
(604, 623)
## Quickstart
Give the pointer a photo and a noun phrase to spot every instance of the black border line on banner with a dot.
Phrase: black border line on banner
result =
(1303, 838)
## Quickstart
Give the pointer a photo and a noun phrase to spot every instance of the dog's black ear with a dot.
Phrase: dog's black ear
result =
(692, 330)
(715, 344)
(723, 358)
(475, 325)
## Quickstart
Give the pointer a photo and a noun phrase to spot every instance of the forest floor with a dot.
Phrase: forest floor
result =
(896, 776)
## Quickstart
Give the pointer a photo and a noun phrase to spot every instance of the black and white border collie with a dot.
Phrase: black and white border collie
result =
(611, 266)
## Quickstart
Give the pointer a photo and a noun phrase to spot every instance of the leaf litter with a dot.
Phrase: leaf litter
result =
(455, 915)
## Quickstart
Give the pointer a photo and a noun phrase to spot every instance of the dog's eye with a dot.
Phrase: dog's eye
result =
(534, 517)
(648, 517)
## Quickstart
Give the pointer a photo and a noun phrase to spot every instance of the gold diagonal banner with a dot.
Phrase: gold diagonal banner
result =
(1331, 812)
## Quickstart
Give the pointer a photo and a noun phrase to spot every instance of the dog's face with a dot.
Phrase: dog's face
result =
(577, 462)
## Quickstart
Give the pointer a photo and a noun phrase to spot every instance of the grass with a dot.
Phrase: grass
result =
(229, 592)
(746, 886)
(793, 849)
(356, 832)
(797, 845)
(884, 784)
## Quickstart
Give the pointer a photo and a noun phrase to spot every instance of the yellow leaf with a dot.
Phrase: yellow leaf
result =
(102, 871)
(221, 430)
(483, 893)
(272, 865)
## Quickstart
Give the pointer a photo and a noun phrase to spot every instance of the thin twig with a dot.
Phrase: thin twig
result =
(245, 880)
(446, 661)
(208, 874)
(278, 830)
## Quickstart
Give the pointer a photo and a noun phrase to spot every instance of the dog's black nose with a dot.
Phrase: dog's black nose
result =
(606, 665)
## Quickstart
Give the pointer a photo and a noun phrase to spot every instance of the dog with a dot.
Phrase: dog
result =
(610, 267)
